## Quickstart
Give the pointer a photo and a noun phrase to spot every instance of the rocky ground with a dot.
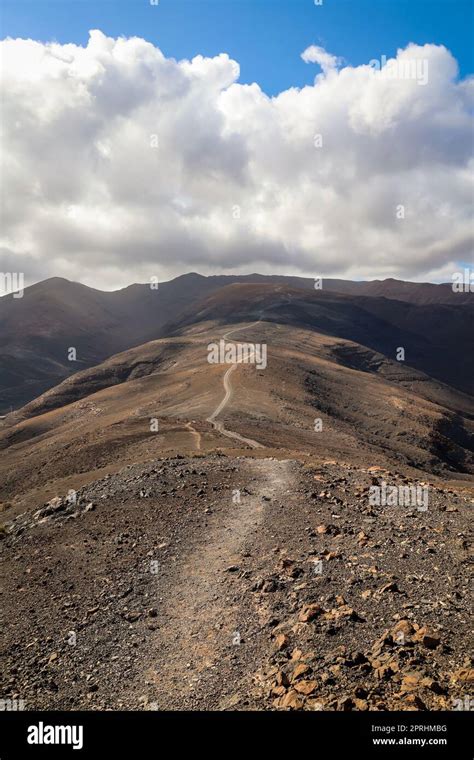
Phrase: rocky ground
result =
(220, 582)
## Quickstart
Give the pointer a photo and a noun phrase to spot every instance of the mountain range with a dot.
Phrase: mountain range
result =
(56, 314)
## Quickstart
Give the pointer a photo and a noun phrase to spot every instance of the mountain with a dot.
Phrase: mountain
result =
(329, 355)
(38, 330)
(212, 525)
(54, 315)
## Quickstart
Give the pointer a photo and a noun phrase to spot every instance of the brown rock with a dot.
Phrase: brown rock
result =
(281, 641)
(429, 640)
(404, 626)
(342, 612)
(389, 587)
(432, 685)
(466, 675)
(413, 702)
(346, 704)
(384, 672)
(291, 701)
(310, 612)
(278, 691)
(282, 679)
(305, 687)
(411, 680)
(300, 670)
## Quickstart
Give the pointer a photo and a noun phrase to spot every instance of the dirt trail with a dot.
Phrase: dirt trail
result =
(219, 426)
(195, 433)
(202, 619)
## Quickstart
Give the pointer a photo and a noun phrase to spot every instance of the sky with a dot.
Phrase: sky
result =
(266, 37)
(146, 140)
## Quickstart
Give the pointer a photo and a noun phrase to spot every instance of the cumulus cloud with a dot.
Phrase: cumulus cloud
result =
(315, 54)
(119, 163)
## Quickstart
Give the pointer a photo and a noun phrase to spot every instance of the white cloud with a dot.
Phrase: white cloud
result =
(315, 54)
(236, 180)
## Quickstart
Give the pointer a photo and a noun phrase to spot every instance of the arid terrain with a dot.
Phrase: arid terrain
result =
(178, 534)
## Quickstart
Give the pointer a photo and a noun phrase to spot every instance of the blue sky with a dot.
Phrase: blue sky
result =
(266, 37)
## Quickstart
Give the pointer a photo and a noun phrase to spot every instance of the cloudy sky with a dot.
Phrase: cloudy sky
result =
(120, 163)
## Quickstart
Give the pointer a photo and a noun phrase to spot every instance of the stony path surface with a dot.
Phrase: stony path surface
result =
(193, 583)
(204, 627)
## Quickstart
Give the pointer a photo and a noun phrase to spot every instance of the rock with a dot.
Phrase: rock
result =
(296, 654)
(465, 675)
(328, 556)
(132, 617)
(310, 612)
(384, 672)
(269, 586)
(305, 687)
(281, 641)
(403, 626)
(291, 701)
(411, 680)
(355, 659)
(314, 704)
(300, 670)
(413, 702)
(346, 704)
(432, 685)
(333, 530)
(342, 612)
(389, 587)
(429, 640)
(282, 679)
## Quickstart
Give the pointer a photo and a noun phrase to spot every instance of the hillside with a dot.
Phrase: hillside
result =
(55, 315)
(208, 532)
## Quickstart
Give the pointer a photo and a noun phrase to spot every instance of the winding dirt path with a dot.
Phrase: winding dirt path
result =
(228, 392)
(195, 433)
